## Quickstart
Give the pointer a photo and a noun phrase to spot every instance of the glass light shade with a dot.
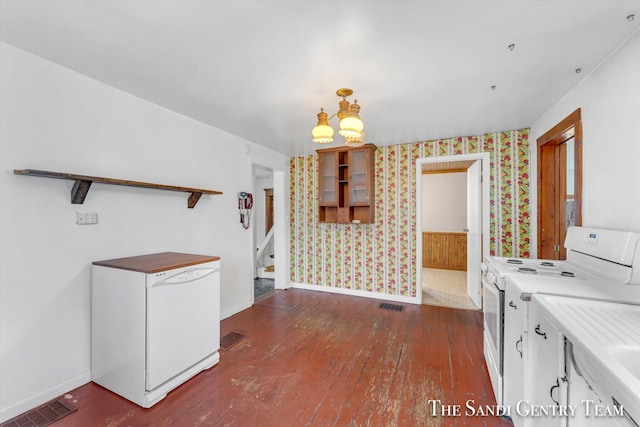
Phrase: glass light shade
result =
(351, 127)
(322, 134)
(354, 142)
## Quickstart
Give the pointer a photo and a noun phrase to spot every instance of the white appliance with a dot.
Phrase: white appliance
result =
(593, 255)
(155, 322)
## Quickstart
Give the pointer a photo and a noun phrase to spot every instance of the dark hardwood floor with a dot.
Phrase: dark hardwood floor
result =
(320, 359)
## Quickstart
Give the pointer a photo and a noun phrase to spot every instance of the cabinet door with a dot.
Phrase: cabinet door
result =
(545, 364)
(328, 179)
(359, 177)
(514, 365)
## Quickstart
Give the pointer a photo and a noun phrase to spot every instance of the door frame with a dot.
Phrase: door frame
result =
(551, 178)
(280, 226)
(484, 158)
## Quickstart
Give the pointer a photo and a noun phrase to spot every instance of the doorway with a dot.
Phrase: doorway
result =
(463, 286)
(444, 239)
(559, 185)
(263, 233)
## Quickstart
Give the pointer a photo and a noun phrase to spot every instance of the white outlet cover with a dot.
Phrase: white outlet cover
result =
(84, 218)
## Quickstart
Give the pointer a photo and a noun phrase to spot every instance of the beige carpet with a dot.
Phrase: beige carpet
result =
(446, 288)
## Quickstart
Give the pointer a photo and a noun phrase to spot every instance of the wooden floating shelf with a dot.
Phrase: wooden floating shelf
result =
(83, 183)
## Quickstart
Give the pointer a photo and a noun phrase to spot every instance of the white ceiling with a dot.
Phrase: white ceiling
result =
(262, 69)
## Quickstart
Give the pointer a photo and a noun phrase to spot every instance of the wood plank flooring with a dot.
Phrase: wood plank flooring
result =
(320, 359)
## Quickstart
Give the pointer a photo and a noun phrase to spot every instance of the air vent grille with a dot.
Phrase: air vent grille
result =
(43, 415)
(394, 307)
(231, 339)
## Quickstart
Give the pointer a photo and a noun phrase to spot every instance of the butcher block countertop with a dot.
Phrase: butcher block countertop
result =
(155, 263)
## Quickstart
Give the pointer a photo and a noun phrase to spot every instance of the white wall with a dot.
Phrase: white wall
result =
(444, 202)
(610, 101)
(55, 119)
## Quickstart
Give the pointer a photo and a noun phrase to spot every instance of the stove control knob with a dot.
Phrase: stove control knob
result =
(484, 267)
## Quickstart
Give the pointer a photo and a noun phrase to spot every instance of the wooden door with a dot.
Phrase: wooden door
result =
(268, 220)
(559, 185)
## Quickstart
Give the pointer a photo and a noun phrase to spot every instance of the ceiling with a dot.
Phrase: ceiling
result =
(438, 167)
(262, 69)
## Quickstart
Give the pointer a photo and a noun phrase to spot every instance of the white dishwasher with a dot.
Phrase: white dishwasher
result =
(155, 322)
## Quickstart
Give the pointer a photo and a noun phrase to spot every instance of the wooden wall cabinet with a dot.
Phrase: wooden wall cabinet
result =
(346, 179)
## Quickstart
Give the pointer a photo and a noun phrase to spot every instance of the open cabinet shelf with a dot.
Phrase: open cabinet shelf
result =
(83, 184)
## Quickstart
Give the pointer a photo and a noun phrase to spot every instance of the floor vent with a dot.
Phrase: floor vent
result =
(43, 415)
(393, 307)
(231, 339)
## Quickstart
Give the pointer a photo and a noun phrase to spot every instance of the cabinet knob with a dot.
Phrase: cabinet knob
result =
(539, 332)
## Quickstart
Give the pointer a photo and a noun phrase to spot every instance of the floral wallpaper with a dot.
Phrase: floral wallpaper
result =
(380, 257)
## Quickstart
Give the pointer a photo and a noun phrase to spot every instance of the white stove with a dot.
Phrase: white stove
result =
(592, 254)
(498, 268)
(595, 257)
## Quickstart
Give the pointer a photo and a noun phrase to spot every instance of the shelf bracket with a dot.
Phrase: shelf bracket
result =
(193, 199)
(79, 191)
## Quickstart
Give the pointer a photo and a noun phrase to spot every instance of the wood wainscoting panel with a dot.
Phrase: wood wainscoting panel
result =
(444, 250)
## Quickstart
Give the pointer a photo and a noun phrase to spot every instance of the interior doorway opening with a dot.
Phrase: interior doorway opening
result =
(444, 239)
(264, 261)
(447, 276)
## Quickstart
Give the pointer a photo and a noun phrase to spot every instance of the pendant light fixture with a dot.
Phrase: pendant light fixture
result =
(351, 127)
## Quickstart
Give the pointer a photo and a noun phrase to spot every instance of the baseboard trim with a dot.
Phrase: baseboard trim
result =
(357, 293)
(44, 396)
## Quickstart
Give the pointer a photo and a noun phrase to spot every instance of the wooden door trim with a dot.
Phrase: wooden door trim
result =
(547, 146)
(563, 130)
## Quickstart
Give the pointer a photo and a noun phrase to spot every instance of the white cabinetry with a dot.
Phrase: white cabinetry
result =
(600, 388)
(515, 353)
(546, 388)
